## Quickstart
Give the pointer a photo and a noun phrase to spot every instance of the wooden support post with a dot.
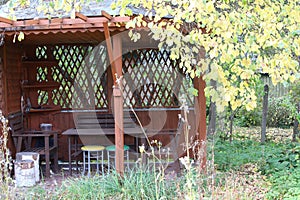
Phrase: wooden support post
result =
(118, 104)
(119, 131)
(115, 57)
(200, 111)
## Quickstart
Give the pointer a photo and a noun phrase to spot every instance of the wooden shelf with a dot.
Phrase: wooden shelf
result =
(39, 63)
(44, 109)
(41, 85)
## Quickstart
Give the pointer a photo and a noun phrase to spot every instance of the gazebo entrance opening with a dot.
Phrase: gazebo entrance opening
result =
(152, 84)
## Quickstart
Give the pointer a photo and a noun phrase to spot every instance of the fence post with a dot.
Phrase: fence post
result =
(264, 114)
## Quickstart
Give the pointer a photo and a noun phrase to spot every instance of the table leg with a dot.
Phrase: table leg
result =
(56, 153)
(75, 152)
(69, 150)
(47, 156)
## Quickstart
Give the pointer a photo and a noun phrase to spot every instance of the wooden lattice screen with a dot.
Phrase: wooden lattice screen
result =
(152, 79)
(81, 75)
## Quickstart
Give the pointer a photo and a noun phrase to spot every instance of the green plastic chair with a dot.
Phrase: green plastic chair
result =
(111, 154)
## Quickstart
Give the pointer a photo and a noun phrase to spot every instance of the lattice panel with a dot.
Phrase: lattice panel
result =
(152, 79)
(41, 52)
(81, 74)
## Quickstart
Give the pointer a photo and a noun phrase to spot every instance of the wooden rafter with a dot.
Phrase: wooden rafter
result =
(81, 16)
(110, 51)
(106, 15)
(7, 21)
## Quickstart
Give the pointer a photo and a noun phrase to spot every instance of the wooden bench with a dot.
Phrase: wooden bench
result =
(104, 121)
(23, 141)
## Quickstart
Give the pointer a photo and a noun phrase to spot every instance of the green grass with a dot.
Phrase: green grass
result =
(278, 162)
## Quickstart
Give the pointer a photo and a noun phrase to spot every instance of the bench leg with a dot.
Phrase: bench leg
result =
(47, 157)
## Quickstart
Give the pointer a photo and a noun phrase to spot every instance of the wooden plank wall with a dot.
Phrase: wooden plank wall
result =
(1, 80)
(13, 76)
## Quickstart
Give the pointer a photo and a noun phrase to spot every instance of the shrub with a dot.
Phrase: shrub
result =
(280, 113)
(246, 118)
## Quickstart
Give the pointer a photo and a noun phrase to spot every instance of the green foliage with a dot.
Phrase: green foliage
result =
(231, 156)
(250, 118)
(235, 44)
(281, 112)
(285, 185)
(286, 158)
(280, 162)
(283, 170)
(136, 184)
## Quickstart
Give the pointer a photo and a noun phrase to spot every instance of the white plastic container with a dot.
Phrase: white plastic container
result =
(31, 156)
(46, 127)
(24, 173)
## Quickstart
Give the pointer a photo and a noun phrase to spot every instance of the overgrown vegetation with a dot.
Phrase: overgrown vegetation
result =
(241, 169)
(281, 112)
(5, 160)
(245, 169)
(277, 163)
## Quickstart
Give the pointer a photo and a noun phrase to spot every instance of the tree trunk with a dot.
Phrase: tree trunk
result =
(264, 114)
(296, 124)
(212, 113)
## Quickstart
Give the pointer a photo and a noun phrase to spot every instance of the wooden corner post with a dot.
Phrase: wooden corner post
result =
(119, 133)
(118, 105)
(200, 112)
(114, 50)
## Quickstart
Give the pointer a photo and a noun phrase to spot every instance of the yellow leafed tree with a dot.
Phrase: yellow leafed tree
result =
(241, 38)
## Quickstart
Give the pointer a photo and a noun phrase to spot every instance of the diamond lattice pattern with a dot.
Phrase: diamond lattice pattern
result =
(152, 79)
(82, 75)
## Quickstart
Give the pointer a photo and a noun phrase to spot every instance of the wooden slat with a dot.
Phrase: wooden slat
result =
(56, 23)
(39, 63)
(106, 15)
(32, 22)
(81, 16)
(110, 51)
(7, 21)
(53, 21)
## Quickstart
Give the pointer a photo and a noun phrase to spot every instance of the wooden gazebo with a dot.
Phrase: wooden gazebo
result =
(66, 66)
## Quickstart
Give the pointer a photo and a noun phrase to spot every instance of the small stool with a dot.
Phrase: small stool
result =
(95, 150)
(111, 154)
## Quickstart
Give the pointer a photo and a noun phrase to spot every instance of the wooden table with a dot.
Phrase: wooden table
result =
(73, 134)
(46, 150)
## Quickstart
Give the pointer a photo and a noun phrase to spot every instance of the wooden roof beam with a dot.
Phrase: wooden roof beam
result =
(106, 15)
(110, 51)
(81, 16)
(7, 21)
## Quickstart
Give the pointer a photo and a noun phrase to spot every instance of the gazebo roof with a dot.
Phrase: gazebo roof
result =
(59, 27)
(92, 8)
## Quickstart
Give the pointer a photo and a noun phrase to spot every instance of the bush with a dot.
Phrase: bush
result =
(280, 112)
(246, 118)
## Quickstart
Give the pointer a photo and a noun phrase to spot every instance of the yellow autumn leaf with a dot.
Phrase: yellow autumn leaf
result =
(246, 62)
